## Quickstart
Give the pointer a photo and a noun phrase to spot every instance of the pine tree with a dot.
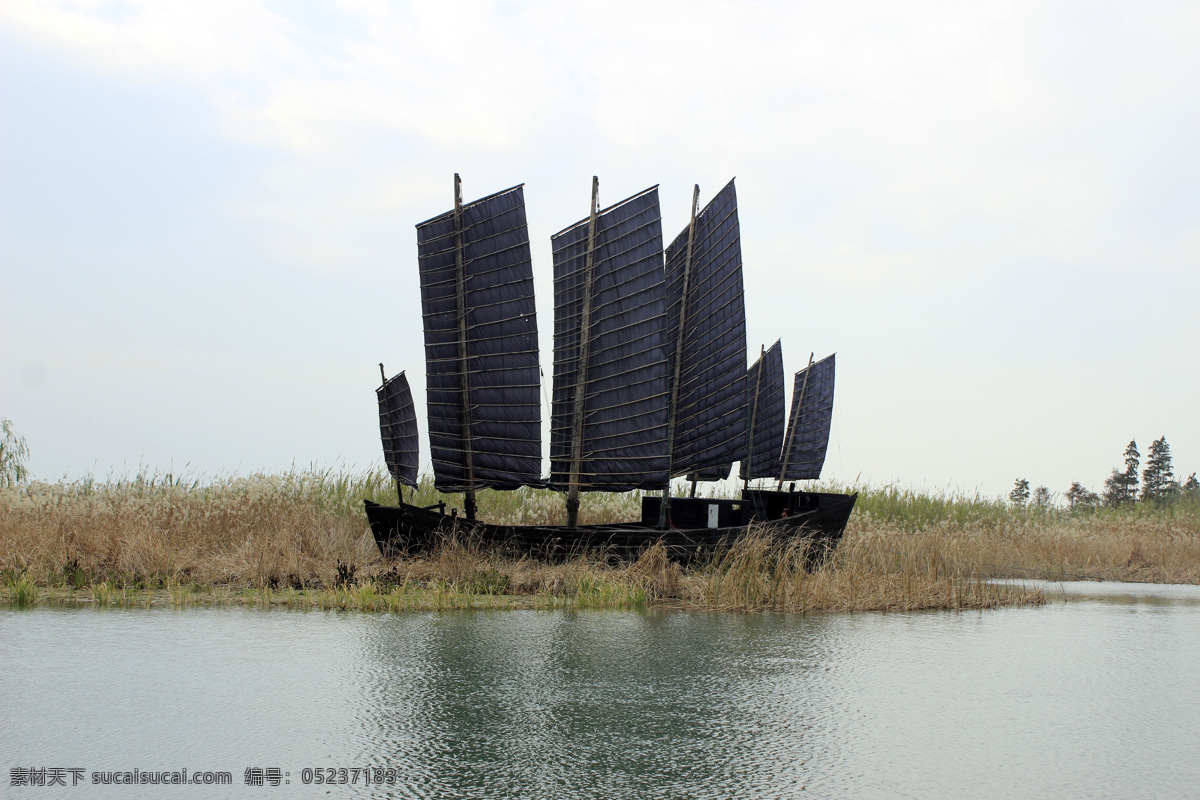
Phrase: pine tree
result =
(1079, 497)
(1114, 489)
(1132, 459)
(1020, 493)
(1191, 488)
(1158, 480)
(1041, 497)
(1121, 487)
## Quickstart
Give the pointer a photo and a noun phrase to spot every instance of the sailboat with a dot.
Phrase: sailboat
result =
(649, 383)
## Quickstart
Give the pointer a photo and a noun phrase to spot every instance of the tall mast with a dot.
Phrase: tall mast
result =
(762, 363)
(673, 408)
(460, 290)
(794, 423)
(585, 323)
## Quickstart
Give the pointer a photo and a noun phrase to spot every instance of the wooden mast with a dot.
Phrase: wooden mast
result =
(460, 289)
(794, 423)
(585, 324)
(673, 409)
(762, 363)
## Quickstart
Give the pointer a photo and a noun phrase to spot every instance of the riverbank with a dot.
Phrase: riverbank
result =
(300, 540)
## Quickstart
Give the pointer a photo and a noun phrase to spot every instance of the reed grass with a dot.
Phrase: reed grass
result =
(300, 540)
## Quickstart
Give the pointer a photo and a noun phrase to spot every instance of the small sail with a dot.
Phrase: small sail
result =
(497, 388)
(398, 429)
(808, 423)
(717, 473)
(625, 396)
(764, 404)
(710, 402)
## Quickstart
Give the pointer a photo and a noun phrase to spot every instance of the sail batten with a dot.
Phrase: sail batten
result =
(484, 410)
(809, 422)
(706, 316)
(765, 404)
(623, 398)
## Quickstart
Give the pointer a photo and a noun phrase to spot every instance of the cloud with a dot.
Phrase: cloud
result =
(988, 178)
(947, 121)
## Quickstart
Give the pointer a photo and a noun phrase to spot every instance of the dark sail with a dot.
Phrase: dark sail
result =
(398, 429)
(764, 404)
(625, 397)
(808, 423)
(710, 402)
(489, 406)
(717, 473)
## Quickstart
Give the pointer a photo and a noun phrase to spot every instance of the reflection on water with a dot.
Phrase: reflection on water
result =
(1082, 699)
(1117, 592)
(625, 704)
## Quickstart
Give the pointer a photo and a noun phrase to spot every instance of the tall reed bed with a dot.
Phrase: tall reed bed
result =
(1142, 542)
(300, 539)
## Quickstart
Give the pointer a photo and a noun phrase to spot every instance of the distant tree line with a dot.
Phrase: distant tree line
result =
(1158, 483)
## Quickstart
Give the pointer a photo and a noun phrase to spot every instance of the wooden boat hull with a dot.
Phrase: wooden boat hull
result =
(819, 518)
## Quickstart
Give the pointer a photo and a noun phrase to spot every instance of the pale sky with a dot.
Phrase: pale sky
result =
(990, 211)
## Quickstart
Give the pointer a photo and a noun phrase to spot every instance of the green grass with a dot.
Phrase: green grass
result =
(915, 510)
(370, 596)
(22, 592)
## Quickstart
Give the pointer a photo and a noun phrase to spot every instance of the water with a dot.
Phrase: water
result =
(1091, 698)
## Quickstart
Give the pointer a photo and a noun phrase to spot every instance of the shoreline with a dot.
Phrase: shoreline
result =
(301, 540)
(367, 598)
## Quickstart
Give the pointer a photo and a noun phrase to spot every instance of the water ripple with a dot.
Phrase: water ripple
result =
(1071, 700)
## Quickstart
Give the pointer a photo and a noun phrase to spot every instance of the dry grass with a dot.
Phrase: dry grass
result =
(300, 540)
(262, 530)
(1140, 543)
